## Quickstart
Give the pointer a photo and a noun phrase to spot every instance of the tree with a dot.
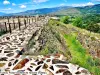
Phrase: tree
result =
(65, 19)
(93, 27)
(78, 22)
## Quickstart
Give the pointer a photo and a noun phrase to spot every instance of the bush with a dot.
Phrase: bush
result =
(78, 22)
(93, 27)
(65, 19)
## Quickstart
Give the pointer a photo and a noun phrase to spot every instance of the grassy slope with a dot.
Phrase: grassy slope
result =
(79, 54)
(70, 11)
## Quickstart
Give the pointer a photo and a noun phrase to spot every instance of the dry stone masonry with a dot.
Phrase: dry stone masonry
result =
(13, 60)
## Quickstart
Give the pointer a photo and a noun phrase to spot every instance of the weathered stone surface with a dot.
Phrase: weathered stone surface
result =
(52, 68)
(3, 59)
(60, 71)
(45, 66)
(9, 64)
(15, 62)
(29, 69)
(21, 64)
(62, 66)
(10, 54)
(55, 61)
(7, 38)
(40, 62)
(84, 71)
(67, 73)
(2, 64)
(0, 51)
(37, 68)
(8, 51)
(78, 72)
(48, 60)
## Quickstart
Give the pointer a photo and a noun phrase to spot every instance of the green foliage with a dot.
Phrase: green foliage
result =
(89, 22)
(78, 22)
(80, 57)
(2, 32)
(65, 19)
(45, 51)
(93, 27)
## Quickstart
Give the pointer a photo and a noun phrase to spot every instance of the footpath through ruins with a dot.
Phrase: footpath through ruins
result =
(13, 62)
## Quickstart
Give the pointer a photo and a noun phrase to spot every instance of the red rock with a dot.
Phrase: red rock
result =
(98, 53)
(57, 55)
(48, 56)
(42, 59)
(21, 64)
(17, 56)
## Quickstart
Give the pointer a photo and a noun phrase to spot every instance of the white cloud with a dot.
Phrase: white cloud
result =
(23, 6)
(89, 4)
(39, 1)
(62, 4)
(6, 9)
(5, 2)
(82, 5)
(13, 4)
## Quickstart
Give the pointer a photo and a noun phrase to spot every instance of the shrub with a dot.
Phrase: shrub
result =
(65, 19)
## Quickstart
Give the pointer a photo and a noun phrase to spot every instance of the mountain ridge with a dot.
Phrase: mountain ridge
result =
(61, 10)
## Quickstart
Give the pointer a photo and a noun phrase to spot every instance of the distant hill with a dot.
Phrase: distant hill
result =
(69, 11)
(95, 9)
(2, 14)
(41, 11)
(62, 10)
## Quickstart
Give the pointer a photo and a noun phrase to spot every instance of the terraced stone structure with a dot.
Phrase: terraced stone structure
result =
(13, 60)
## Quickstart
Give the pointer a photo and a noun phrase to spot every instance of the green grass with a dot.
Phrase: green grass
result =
(45, 51)
(80, 56)
(2, 32)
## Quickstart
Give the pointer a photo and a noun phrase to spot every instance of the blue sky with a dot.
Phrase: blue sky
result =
(13, 6)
